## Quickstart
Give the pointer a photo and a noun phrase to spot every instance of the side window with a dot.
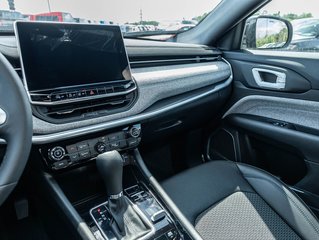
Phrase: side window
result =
(284, 26)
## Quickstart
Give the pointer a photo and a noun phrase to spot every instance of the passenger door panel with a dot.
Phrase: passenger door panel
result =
(276, 129)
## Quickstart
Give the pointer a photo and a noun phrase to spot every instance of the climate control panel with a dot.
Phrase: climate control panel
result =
(68, 154)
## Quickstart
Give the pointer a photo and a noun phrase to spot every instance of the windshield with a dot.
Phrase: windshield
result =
(132, 16)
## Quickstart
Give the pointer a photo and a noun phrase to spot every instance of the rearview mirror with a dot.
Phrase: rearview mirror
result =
(267, 32)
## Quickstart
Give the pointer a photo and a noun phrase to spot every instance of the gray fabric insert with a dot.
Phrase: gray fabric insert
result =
(242, 215)
(295, 111)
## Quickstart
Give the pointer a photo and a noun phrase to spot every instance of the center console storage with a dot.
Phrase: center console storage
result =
(97, 194)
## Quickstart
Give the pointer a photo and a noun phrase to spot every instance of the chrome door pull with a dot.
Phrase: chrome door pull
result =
(280, 82)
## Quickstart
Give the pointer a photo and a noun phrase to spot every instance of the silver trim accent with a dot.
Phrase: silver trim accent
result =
(69, 23)
(3, 116)
(138, 211)
(53, 137)
(199, 58)
(116, 196)
(280, 81)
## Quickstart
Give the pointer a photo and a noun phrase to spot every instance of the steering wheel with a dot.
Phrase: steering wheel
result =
(15, 127)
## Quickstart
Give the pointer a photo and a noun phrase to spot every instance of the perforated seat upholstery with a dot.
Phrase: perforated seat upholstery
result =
(227, 200)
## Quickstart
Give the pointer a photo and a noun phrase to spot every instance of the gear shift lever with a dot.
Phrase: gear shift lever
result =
(126, 222)
(110, 166)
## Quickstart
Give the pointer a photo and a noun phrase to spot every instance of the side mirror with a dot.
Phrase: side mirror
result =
(267, 32)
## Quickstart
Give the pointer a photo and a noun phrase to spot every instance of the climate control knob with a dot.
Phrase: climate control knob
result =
(135, 132)
(101, 147)
(57, 153)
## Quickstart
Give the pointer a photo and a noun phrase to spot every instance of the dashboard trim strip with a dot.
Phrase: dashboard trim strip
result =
(175, 60)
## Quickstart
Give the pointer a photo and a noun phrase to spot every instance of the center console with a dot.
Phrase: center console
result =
(162, 225)
(89, 172)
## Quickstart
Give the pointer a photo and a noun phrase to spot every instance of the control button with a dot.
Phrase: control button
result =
(60, 164)
(63, 96)
(81, 93)
(115, 145)
(57, 153)
(135, 132)
(114, 137)
(171, 234)
(85, 154)
(133, 141)
(82, 146)
(158, 216)
(92, 92)
(58, 97)
(132, 190)
(101, 147)
(121, 135)
(71, 148)
(122, 143)
(71, 95)
(55, 97)
(74, 157)
(103, 139)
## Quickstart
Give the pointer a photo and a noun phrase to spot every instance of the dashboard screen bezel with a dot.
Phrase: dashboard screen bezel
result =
(65, 88)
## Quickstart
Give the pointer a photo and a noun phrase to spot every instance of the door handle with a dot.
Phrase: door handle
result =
(279, 83)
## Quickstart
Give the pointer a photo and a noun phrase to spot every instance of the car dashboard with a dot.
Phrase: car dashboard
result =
(162, 88)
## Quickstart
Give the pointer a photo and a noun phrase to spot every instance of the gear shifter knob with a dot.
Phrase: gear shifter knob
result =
(110, 166)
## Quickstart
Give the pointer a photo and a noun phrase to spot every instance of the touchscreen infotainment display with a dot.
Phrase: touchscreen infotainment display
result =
(59, 55)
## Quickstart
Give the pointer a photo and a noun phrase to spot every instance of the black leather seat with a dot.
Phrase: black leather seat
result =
(227, 200)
